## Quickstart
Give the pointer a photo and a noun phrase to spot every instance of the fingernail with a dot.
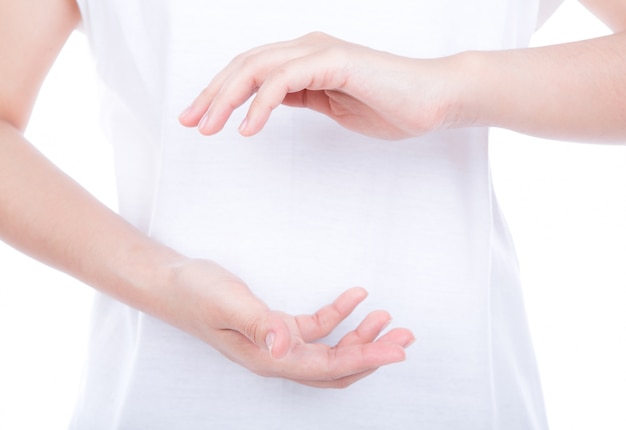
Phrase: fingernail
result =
(204, 121)
(409, 343)
(269, 341)
(243, 124)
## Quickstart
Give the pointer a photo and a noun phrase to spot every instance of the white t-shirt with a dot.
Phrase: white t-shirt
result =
(303, 211)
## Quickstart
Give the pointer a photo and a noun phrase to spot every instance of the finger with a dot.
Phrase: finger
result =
(320, 70)
(398, 336)
(268, 332)
(338, 383)
(230, 96)
(237, 348)
(369, 329)
(315, 364)
(236, 86)
(241, 349)
(287, 49)
(360, 358)
(192, 115)
(312, 99)
(324, 321)
(242, 312)
(347, 361)
(231, 87)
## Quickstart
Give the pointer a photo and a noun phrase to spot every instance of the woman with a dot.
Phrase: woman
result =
(301, 211)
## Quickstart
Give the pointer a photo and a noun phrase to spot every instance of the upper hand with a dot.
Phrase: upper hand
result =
(370, 92)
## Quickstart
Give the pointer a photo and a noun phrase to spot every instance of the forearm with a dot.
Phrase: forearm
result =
(574, 91)
(45, 214)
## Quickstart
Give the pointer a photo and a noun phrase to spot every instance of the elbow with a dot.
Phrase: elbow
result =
(14, 118)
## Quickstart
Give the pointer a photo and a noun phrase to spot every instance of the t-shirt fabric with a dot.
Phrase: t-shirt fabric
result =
(301, 212)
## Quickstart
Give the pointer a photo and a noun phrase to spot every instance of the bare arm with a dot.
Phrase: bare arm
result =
(42, 211)
(572, 91)
(48, 216)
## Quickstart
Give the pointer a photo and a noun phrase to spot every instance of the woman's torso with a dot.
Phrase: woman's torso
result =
(303, 211)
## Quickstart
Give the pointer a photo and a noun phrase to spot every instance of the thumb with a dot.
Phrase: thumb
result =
(243, 312)
(269, 331)
(277, 338)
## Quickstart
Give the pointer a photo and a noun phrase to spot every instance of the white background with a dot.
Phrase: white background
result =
(565, 203)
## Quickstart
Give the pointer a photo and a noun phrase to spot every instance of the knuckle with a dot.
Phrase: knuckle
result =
(317, 36)
(247, 61)
(278, 74)
(320, 321)
(251, 328)
(240, 58)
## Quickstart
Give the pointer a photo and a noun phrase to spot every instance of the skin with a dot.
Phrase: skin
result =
(197, 296)
(208, 301)
(570, 92)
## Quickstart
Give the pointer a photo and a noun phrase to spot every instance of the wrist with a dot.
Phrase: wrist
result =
(466, 97)
(142, 274)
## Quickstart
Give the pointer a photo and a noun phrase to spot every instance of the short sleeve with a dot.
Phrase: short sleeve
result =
(546, 9)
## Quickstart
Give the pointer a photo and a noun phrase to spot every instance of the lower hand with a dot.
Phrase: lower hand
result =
(217, 307)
